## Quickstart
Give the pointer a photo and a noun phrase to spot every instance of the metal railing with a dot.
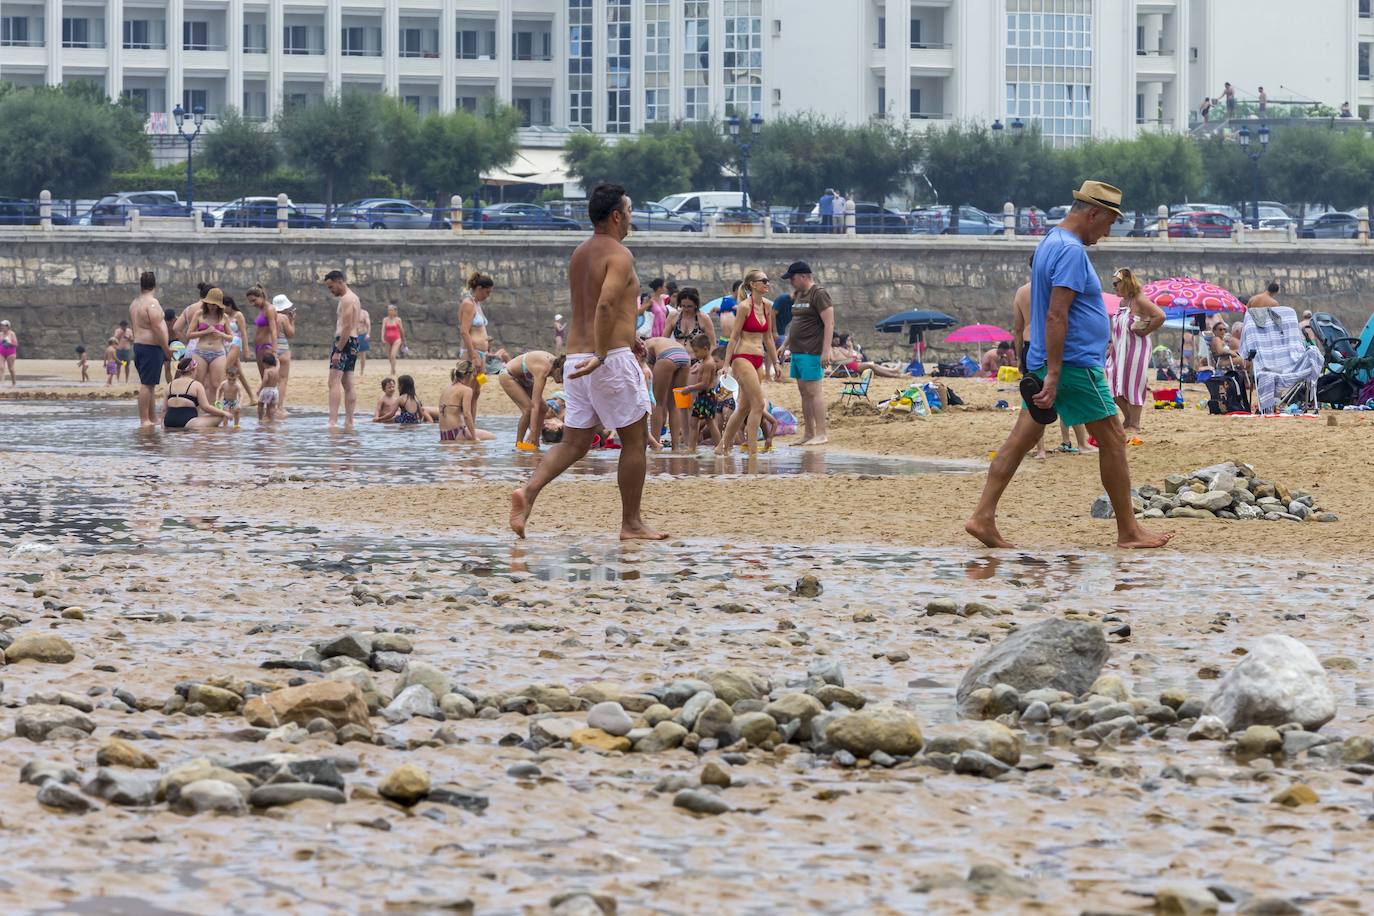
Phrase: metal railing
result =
(433, 55)
(203, 46)
(88, 45)
(299, 50)
(20, 43)
(930, 45)
(145, 46)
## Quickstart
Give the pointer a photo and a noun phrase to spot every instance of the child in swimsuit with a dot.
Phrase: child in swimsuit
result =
(81, 364)
(702, 379)
(386, 404)
(227, 397)
(268, 396)
(111, 361)
(409, 410)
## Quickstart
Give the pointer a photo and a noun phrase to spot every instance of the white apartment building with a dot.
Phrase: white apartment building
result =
(1079, 68)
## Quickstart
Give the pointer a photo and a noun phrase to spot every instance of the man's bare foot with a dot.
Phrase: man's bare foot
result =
(800, 442)
(519, 512)
(1041, 455)
(819, 440)
(1145, 540)
(638, 531)
(986, 531)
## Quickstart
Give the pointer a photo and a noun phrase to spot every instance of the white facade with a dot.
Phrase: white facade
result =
(1078, 67)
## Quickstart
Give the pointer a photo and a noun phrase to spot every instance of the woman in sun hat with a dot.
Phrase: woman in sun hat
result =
(286, 329)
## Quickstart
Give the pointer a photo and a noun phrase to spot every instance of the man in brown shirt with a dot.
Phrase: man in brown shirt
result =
(808, 337)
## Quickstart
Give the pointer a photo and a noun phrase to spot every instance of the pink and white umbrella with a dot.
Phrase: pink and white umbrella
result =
(1198, 297)
(978, 333)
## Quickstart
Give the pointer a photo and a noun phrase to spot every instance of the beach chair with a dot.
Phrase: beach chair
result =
(1280, 357)
(857, 389)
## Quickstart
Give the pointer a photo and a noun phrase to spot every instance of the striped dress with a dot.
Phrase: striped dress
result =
(1128, 359)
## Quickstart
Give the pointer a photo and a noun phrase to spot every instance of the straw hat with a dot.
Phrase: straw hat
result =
(1100, 194)
(214, 296)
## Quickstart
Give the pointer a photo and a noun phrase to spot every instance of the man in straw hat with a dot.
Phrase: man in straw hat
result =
(1069, 334)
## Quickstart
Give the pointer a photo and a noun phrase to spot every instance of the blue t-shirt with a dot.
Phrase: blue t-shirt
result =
(1062, 260)
(783, 306)
(727, 304)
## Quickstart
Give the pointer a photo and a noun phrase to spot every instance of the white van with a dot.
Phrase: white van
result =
(694, 202)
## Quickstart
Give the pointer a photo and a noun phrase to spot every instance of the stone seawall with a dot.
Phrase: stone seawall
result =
(67, 287)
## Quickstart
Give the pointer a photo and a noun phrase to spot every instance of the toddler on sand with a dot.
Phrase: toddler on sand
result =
(81, 364)
(268, 397)
(111, 361)
(227, 397)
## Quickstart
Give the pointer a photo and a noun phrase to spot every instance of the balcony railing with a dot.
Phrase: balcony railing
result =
(20, 43)
(92, 45)
(361, 52)
(1157, 52)
(544, 57)
(300, 50)
(473, 55)
(253, 49)
(930, 45)
(930, 116)
(203, 46)
(433, 55)
(145, 46)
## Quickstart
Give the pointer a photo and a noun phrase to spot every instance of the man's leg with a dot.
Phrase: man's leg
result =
(982, 524)
(629, 476)
(350, 396)
(145, 405)
(814, 392)
(558, 459)
(335, 395)
(808, 424)
(1116, 479)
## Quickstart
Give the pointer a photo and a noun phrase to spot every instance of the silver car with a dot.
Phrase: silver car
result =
(384, 213)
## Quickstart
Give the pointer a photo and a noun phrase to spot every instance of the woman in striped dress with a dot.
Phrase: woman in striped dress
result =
(1128, 359)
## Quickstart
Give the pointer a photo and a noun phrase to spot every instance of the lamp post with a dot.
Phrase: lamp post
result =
(732, 125)
(1244, 134)
(197, 118)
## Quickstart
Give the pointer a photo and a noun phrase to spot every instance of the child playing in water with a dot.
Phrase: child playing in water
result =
(111, 361)
(386, 404)
(701, 379)
(81, 364)
(268, 397)
(227, 397)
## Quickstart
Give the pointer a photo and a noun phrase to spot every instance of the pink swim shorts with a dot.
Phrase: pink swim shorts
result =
(613, 396)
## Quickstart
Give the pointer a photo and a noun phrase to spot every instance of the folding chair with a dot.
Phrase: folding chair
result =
(1280, 358)
(857, 389)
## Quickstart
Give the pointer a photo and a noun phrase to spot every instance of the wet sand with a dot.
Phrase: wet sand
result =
(247, 564)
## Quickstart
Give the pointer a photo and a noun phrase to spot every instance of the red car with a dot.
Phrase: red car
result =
(1204, 224)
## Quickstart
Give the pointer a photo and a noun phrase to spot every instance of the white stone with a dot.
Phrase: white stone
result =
(1279, 681)
(611, 718)
(1208, 728)
(415, 700)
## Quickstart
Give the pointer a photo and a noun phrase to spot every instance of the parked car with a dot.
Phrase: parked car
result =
(869, 219)
(693, 202)
(386, 213)
(1270, 217)
(261, 213)
(114, 209)
(519, 216)
(15, 211)
(215, 215)
(1232, 212)
(747, 215)
(1332, 226)
(972, 221)
(653, 218)
(1207, 224)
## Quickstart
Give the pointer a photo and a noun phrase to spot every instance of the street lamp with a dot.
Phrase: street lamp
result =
(732, 125)
(1244, 134)
(197, 118)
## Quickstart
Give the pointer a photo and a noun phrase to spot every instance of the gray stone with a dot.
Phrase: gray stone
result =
(1191, 708)
(1208, 728)
(430, 677)
(1189, 512)
(976, 763)
(457, 706)
(53, 794)
(1212, 500)
(1258, 740)
(1102, 508)
(209, 796)
(941, 606)
(754, 727)
(699, 802)
(1268, 906)
(349, 645)
(828, 669)
(679, 692)
(611, 718)
(693, 708)
(734, 684)
(1124, 727)
(389, 661)
(1035, 714)
(798, 707)
(1064, 654)
(1174, 482)
(664, 736)
(37, 772)
(876, 728)
(120, 787)
(1277, 682)
(1297, 741)
(714, 719)
(551, 729)
(415, 700)
(1299, 509)
(288, 793)
(829, 695)
(37, 723)
(990, 738)
(392, 642)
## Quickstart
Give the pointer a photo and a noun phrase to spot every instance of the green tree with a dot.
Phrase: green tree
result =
(1226, 170)
(650, 166)
(59, 140)
(716, 153)
(455, 148)
(400, 129)
(126, 122)
(968, 165)
(1151, 170)
(1298, 166)
(337, 139)
(240, 152)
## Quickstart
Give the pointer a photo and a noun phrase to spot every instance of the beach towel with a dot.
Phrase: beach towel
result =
(1281, 356)
(1128, 360)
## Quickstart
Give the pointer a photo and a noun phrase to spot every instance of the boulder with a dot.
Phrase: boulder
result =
(799, 707)
(215, 699)
(714, 719)
(40, 647)
(415, 700)
(876, 728)
(349, 645)
(665, 736)
(56, 795)
(1277, 682)
(338, 702)
(755, 727)
(199, 770)
(611, 718)
(1064, 654)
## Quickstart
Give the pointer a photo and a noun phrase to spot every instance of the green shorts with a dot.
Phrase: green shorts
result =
(1082, 396)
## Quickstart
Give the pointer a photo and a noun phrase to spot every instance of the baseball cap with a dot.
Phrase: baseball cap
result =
(796, 267)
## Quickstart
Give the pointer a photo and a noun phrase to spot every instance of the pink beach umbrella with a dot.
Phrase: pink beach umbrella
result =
(978, 333)
(1199, 296)
(1112, 302)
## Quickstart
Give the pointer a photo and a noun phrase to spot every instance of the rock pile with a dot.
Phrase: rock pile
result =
(1231, 491)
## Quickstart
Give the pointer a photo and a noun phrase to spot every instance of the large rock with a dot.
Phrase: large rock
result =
(61, 797)
(1063, 654)
(349, 645)
(876, 728)
(797, 707)
(610, 718)
(731, 685)
(38, 722)
(199, 770)
(338, 702)
(1279, 681)
(40, 647)
(1212, 500)
(288, 793)
(428, 676)
(215, 699)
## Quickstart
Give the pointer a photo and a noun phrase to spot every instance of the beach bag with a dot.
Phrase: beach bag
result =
(969, 366)
(787, 421)
(952, 399)
(933, 399)
(915, 368)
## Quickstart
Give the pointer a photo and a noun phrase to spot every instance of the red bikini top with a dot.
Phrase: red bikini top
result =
(754, 324)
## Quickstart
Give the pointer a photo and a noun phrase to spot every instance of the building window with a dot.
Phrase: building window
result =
(916, 110)
(255, 105)
(743, 57)
(468, 103)
(882, 31)
(882, 101)
(145, 34)
(255, 38)
(696, 60)
(302, 39)
(534, 112)
(419, 43)
(139, 98)
(193, 98)
(14, 31)
(1364, 60)
(476, 44)
(658, 60)
(532, 46)
(1049, 67)
(361, 41)
(1364, 9)
(79, 33)
(916, 41)
(580, 63)
(618, 25)
(195, 36)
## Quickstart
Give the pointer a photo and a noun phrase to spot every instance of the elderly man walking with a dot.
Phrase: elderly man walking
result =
(1069, 335)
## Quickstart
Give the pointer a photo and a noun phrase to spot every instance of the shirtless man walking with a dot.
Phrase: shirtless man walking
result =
(344, 356)
(604, 384)
(364, 335)
(151, 346)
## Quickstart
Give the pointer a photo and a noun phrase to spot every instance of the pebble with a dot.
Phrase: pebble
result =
(831, 694)
(53, 794)
(37, 772)
(713, 774)
(808, 586)
(977, 763)
(426, 675)
(47, 648)
(664, 736)
(611, 718)
(457, 706)
(1259, 740)
(596, 739)
(128, 790)
(41, 722)
(714, 719)
(1036, 713)
(116, 752)
(209, 796)
(415, 700)
(701, 802)
(405, 785)
(288, 793)
(1295, 795)
(524, 771)
(1208, 728)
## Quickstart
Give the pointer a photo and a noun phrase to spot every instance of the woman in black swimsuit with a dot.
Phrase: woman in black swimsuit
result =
(186, 400)
(689, 320)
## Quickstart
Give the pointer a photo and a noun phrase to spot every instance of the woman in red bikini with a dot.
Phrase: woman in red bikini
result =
(393, 335)
(751, 349)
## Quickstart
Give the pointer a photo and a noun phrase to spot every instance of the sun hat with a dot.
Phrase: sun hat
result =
(1100, 194)
(281, 303)
(214, 296)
